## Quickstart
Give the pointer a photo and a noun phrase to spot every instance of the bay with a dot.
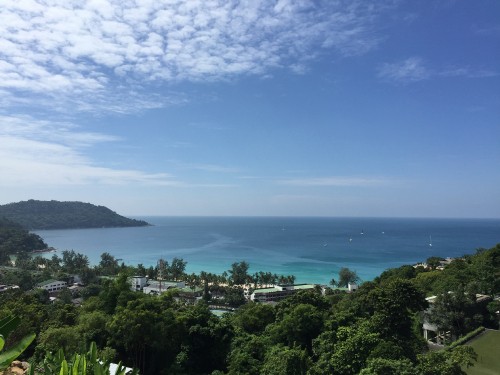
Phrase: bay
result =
(312, 249)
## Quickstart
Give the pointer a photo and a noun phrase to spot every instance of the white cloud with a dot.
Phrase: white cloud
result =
(81, 51)
(25, 127)
(43, 153)
(409, 70)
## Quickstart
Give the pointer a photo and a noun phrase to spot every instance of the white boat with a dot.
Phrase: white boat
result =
(430, 241)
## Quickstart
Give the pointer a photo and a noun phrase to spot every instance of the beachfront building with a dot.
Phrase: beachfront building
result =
(160, 286)
(352, 287)
(190, 294)
(52, 285)
(138, 282)
(278, 292)
(141, 283)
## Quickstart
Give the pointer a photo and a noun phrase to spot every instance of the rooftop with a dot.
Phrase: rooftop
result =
(282, 287)
(47, 282)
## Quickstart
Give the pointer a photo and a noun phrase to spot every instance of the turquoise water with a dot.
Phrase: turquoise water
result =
(312, 249)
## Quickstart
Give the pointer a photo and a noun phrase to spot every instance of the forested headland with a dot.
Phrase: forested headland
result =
(15, 239)
(375, 330)
(34, 214)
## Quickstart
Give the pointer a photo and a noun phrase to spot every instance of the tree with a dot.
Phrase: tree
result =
(205, 341)
(299, 326)
(233, 296)
(345, 351)
(254, 317)
(177, 268)
(347, 276)
(446, 362)
(248, 354)
(54, 263)
(333, 282)
(74, 262)
(108, 264)
(239, 273)
(92, 327)
(284, 360)
(54, 338)
(382, 366)
(396, 304)
(141, 270)
(434, 262)
(147, 333)
(23, 261)
(455, 312)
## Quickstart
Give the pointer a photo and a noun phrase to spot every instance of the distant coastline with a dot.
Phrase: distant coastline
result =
(41, 215)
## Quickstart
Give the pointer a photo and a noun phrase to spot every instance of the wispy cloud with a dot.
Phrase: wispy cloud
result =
(409, 70)
(468, 72)
(23, 127)
(204, 167)
(80, 52)
(414, 69)
(338, 181)
(46, 153)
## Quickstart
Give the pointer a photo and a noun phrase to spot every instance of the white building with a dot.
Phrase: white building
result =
(52, 285)
(158, 287)
(352, 287)
(3, 287)
(278, 292)
(138, 282)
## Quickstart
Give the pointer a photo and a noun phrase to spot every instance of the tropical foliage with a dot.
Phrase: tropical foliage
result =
(375, 330)
(7, 325)
(79, 364)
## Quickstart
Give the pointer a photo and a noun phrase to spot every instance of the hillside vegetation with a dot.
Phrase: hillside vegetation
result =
(33, 214)
(15, 239)
(377, 330)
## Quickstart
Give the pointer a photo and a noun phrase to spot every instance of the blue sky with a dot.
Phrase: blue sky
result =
(295, 108)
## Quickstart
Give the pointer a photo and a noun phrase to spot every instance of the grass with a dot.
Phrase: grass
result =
(487, 347)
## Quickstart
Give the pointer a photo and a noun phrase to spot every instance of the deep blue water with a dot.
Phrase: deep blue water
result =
(312, 249)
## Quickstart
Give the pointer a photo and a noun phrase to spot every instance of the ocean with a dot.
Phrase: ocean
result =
(312, 249)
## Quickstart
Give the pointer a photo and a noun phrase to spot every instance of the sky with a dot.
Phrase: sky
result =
(353, 108)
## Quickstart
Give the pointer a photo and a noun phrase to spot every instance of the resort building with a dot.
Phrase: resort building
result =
(52, 285)
(278, 292)
(138, 282)
(190, 294)
(160, 286)
(4, 288)
(141, 283)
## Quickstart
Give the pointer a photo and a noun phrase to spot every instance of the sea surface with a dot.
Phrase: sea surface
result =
(312, 249)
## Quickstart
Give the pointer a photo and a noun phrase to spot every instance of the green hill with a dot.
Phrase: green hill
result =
(33, 214)
(15, 239)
